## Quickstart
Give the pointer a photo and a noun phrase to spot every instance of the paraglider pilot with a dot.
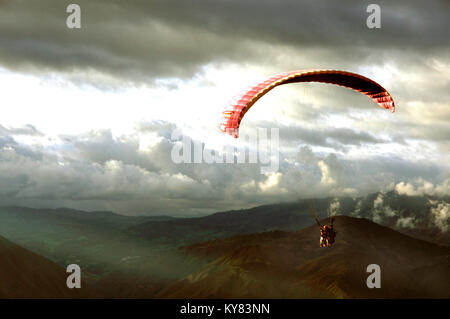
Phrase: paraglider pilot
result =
(327, 233)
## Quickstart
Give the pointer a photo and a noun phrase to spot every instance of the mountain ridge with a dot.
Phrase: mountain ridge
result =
(238, 267)
(24, 274)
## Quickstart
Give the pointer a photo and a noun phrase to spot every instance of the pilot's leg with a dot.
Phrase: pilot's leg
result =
(323, 242)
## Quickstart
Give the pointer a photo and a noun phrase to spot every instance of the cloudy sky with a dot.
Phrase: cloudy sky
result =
(89, 115)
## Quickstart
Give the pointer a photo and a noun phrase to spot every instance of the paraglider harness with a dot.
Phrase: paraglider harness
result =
(327, 233)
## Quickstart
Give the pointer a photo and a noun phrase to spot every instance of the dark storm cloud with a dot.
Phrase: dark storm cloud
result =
(142, 40)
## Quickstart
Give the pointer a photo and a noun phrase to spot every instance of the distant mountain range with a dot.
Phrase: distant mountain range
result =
(409, 215)
(127, 256)
(71, 236)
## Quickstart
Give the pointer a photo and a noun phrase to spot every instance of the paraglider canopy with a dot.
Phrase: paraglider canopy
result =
(235, 111)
